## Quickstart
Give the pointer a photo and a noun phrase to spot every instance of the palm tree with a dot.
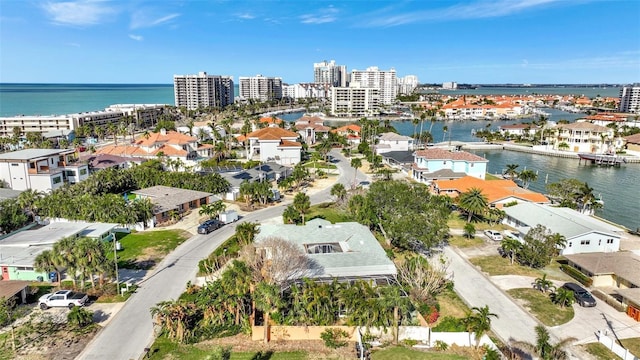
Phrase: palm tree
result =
(586, 200)
(268, 299)
(47, 262)
(469, 230)
(510, 247)
(246, 232)
(558, 241)
(479, 321)
(563, 297)
(511, 171)
(543, 347)
(29, 200)
(444, 132)
(339, 192)
(543, 284)
(356, 163)
(526, 177)
(473, 202)
(80, 317)
(212, 210)
(302, 203)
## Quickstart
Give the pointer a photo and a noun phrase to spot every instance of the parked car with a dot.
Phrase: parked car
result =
(493, 235)
(582, 296)
(66, 298)
(209, 226)
(511, 234)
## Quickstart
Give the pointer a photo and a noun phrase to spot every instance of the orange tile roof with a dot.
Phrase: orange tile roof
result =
(345, 129)
(171, 137)
(122, 150)
(270, 120)
(272, 133)
(287, 143)
(441, 154)
(494, 190)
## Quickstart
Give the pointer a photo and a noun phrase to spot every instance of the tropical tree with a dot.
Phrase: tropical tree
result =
(212, 210)
(543, 347)
(526, 177)
(510, 247)
(268, 299)
(563, 297)
(585, 199)
(473, 202)
(543, 284)
(302, 203)
(356, 163)
(469, 230)
(511, 171)
(339, 192)
(246, 232)
(291, 216)
(47, 262)
(176, 319)
(80, 317)
(479, 321)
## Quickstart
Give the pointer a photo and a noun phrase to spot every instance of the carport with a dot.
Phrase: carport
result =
(11, 288)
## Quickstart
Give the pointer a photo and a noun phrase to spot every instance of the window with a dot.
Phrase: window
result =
(57, 180)
(327, 248)
(599, 242)
(570, 244)
(83, 171)
(609, 241)
(14, 164)
(585, 242)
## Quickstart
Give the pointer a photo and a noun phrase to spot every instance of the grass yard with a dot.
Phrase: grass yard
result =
(463, 242)
(319, 165)
(329, 212)
(145, 249)
(497, 265)
(539, 305)
(451, 305)
(458, 221)
(402, 353)
(633, 344)
(491, 177)
(599, 351)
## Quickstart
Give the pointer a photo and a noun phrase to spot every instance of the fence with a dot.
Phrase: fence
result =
(617, 349)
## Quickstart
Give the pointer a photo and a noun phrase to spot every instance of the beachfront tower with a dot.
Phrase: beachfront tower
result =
(260, 88)
(383, 80)
(630, 99)
(329, 73)
(203, 90)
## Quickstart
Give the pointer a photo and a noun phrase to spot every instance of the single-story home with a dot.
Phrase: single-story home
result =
(498, 192)
(583, 233)
(14, 288)
(168, 201)
(620, 270)
(344, 251)
(269, 171)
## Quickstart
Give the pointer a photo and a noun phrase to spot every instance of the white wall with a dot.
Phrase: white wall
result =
(597, 242)
(17, 177)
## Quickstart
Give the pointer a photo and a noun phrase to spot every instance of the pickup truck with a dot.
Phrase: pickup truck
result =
(61, 298)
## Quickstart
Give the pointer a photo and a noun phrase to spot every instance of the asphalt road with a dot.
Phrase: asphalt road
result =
(131, 329)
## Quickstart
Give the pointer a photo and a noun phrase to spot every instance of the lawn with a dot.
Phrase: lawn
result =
(633, 344)
(463, 242)
(458, 221)
(497, 265)
(329, 212)
(451, 304)
(145, 249)
(320, 165)
(599, 351)
(540, 306)
(402, 353)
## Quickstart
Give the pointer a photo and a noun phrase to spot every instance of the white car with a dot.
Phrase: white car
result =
(493, 235)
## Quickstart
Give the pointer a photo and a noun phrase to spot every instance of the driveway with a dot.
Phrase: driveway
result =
(131, 329)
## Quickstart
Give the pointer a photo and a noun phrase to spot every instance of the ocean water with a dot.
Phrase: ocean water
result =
(60, 99)
(590, 92)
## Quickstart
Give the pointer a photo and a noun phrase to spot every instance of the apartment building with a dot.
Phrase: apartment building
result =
(355, 101)
(329, 73)
(407, 84)
(306, 90)
(384, 81)
(38, 123)
(260, 88)
(41, 169)
(630, 99)
(203, 90)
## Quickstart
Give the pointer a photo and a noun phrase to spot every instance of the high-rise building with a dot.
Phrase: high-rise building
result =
(384, 81)
(450, 85)
(407, 84)
(202, 90)
(630, 99)
(355, 101)
(330, 73)
(260, 88)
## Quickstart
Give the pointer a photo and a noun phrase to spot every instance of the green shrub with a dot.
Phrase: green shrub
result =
(334, 338)
(450, 324)
(219, 257)
(410, 342)
(441, 345)
(577, 274)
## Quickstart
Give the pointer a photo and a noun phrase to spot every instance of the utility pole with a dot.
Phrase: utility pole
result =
(115, 259)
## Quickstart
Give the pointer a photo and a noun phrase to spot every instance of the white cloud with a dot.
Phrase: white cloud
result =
(477, 10)
(246, 16)
(141, 19)
(324, 16)
(78, 13)
(73, 44)
(136, 37)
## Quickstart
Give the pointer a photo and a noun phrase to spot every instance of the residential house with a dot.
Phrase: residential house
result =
(351, 132)
(343, 251)
(498, 192)
(270, 171)
(41, 169)
(391, 141)
(402, 160)
(203, 131)
(632, 142)
(173, 202)
(168, 144)
(275, 144)
(19, 249)
(585, 137)
(525, 130)
(311, 129)
(617, 270)
(107, 161)
(583, 233)
(436, 164)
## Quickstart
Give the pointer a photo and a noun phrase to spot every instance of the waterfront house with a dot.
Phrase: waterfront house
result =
(391, 141)
(435, 164)
(632, 142)
(171, 202)
(343, 251)
(351, 132)
(498, 192)
(311, 129)
(585, 137)
(583, 233)
(275, 144)
(615, 273)
(19, 249)
(526, 130)
(41, 169)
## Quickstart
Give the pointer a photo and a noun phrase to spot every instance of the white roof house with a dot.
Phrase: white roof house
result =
(342, 250)
(583, 233)
(390, 141)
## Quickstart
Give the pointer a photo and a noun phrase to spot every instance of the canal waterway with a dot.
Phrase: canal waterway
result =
(618, 187)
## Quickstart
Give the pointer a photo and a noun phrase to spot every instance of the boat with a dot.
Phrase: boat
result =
(602, 159)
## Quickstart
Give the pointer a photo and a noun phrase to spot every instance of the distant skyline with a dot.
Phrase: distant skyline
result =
(482, 41)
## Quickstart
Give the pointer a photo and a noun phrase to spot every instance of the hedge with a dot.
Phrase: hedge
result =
(577, 274)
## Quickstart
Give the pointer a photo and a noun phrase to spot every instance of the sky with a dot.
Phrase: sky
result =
(474, 41)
